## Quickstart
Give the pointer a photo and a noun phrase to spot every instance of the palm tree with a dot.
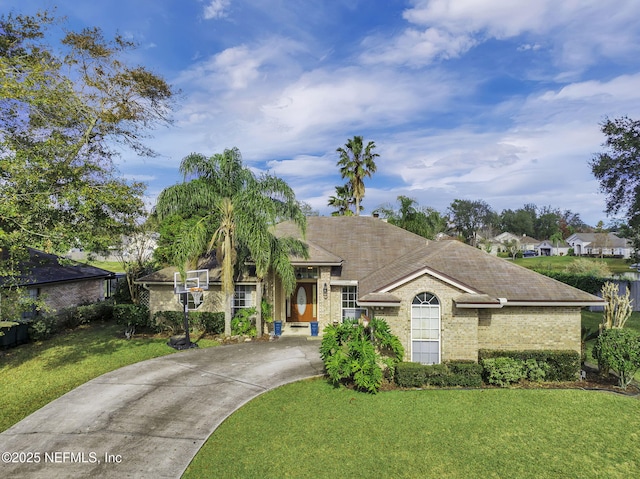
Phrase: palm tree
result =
(342, 201)
(357, 162)
(240, 212)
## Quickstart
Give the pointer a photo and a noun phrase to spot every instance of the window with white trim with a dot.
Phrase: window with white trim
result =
(425, 329)
(350, 309)
(243, 296)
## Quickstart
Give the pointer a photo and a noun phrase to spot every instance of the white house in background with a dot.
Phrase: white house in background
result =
(553, 248)
(525, 243)
(599, 244)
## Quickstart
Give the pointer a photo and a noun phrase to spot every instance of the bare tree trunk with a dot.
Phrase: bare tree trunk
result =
(259, 309)
(227, 314)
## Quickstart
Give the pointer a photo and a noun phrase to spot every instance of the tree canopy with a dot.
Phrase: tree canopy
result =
(423, 221)
(61, 116)
(238, 212)
(618, 169)
(469, 217)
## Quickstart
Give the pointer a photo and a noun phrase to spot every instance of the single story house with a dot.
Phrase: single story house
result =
(600, 244)
(443, 299)
(62, 283)
(553, 248)
(524, 242)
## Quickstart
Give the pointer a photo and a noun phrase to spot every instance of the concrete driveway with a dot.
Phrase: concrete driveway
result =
(151, 418)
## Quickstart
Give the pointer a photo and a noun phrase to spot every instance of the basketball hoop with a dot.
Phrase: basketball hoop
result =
(196, 294)
(192, 285)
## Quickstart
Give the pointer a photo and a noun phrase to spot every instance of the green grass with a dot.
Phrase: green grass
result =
(35, 374)
(310, 429)
(114, 266)
(559, 263)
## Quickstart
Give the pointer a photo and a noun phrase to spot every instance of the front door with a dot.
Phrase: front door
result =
(302, 307)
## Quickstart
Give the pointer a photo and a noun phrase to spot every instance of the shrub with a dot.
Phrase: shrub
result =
(465, 374)
(43, 327)
(75, 316)
(503, 371)
(585, 282)
(436, 375)
(212, 323)
(585, 266)
(410, 375)
(536, 371)
(620, 350)
(564, 365)
(132, 317)
(452, 374)
(360, 354)
(243, 323)
(172, 321)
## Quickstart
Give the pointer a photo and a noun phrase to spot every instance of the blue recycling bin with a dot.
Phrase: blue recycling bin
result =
(314, 328)
(277, 328)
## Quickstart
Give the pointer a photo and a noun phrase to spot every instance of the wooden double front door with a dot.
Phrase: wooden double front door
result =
(303, 303)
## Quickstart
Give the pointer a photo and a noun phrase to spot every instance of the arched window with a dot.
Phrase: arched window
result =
(425, 329)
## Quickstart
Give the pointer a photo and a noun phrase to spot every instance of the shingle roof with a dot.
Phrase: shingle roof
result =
(380, 256)
(363, 244)
(44, 268)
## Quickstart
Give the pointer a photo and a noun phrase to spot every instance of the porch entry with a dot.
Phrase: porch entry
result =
(303, 303)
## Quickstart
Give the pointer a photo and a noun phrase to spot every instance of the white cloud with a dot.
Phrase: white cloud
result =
(578, 31)
(216, 9)
(303, 166)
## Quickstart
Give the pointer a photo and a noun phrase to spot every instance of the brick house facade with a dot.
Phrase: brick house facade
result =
(443, 299)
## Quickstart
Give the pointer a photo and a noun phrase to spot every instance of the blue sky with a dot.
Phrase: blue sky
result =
(471, 99)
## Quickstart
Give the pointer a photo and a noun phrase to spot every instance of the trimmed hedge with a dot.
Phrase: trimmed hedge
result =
(585, 282)
(563, 365)
(452, 374)
(173, 321)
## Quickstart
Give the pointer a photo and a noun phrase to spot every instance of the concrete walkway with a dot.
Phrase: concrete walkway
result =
(148, 420)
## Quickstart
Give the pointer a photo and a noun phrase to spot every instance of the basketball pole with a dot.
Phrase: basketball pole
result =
(187, 339)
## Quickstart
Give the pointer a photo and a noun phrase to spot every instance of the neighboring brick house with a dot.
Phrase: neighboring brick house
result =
(62, 283)
(443, 299)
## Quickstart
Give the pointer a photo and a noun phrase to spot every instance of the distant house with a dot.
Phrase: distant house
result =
(524, 242)
(553, 248)
(599, 244)
(62, 283)
(444, 300)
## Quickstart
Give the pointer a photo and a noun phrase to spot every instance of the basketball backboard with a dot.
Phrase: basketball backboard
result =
(198, 278)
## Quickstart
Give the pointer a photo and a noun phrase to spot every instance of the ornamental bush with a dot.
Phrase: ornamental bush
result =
(132, 317)
(564, 365)
(243, 323)
(620, 350)
(451, 374)
(359, 354)
(503, 371)
(173, 321)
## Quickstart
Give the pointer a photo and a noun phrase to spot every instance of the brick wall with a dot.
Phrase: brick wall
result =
(465, 331)
(513, 328)
(59, 296)
(459, 329)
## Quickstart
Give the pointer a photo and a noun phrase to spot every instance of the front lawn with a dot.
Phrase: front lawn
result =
(35, 374)
(310, 429)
